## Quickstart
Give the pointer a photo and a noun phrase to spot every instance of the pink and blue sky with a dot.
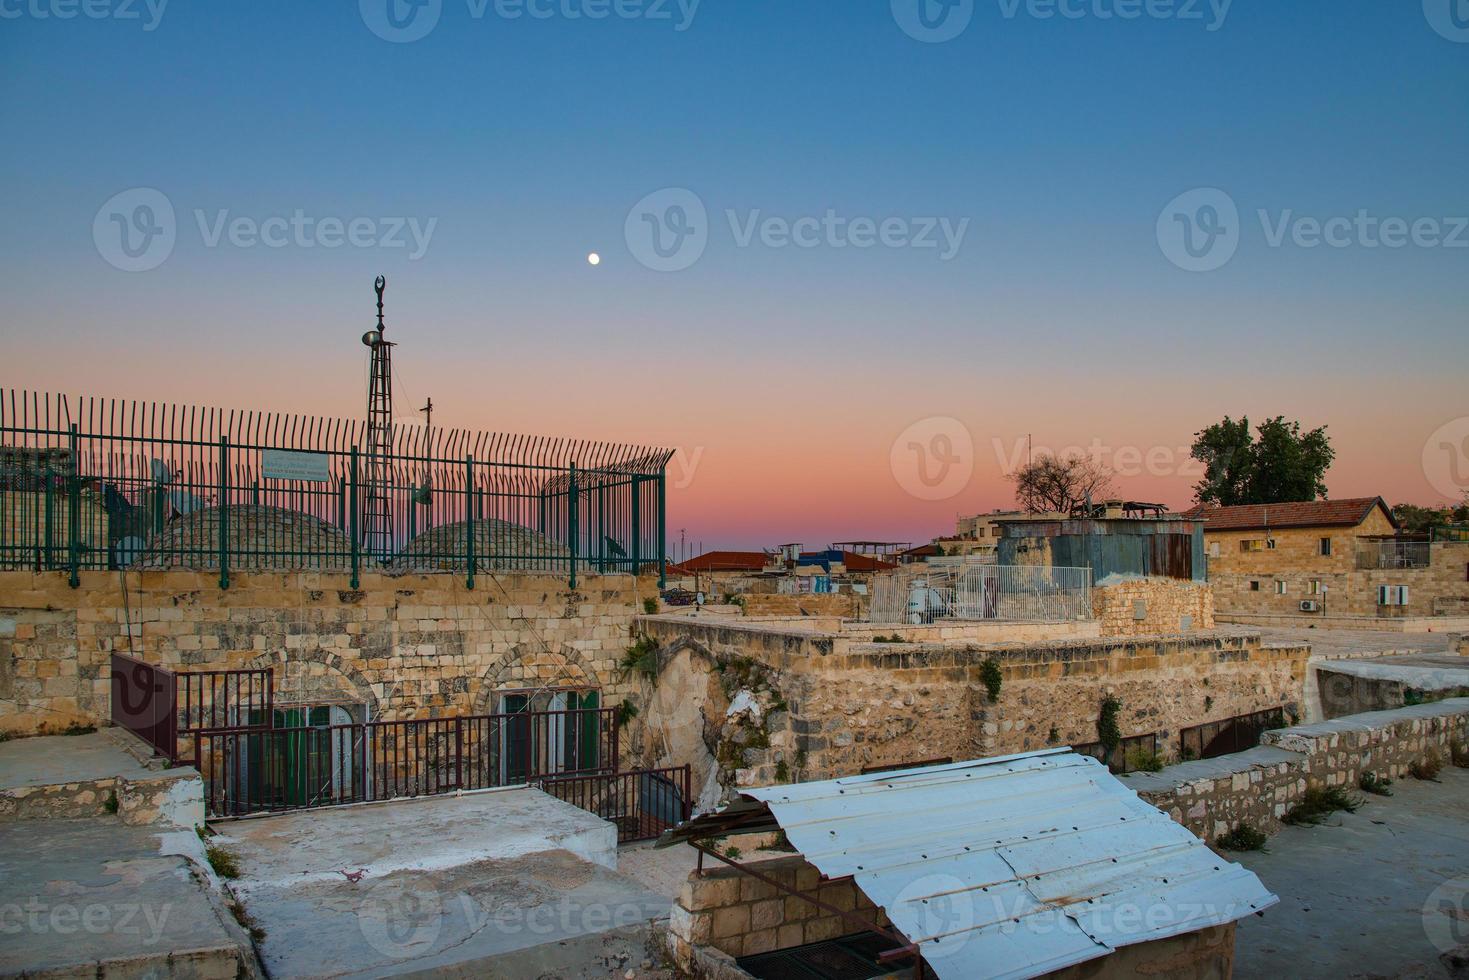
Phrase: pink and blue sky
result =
(783, 372)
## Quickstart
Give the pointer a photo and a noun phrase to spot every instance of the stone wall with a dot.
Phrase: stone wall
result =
(396, 647)
(1259, 786)
(844, 605)
(823, 704)
(1145, 606)
(731, 914)
(1376, 624)
(38, 539)
(739, 915)
(1246, 581)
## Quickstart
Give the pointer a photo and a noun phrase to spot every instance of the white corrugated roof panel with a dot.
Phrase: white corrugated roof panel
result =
(1014, 866)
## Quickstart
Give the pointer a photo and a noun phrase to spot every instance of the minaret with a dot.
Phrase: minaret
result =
(377, 530)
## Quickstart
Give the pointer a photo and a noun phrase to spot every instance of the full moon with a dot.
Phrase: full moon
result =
(594, 259)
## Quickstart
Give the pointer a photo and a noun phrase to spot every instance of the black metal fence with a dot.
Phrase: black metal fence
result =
(1236, 734)
(1130, 755)
(92, 483)
(643, 803)
(254, 770)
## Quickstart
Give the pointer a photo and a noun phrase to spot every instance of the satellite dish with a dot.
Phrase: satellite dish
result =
(372, 338)
(162, 475)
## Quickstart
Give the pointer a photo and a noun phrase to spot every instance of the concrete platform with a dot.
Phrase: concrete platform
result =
(93, 898)
(443, 884)
(51, 759)
(1383, 892)
(99, 774)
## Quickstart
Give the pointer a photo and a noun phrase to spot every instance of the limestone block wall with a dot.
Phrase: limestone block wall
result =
(740, 915)
(1441, 589)
(1144, 606)
(171, 798)
(837, 705)
(843, 605)
(396, 647)
(25, 520)
(1259, 786)
(729, 914)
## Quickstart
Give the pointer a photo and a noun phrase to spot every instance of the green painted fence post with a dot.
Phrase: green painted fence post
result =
(662, 531)
(352, 520)
(224, 511)
(637, 533)
(571, 528)
(74, 512)
(469, 519)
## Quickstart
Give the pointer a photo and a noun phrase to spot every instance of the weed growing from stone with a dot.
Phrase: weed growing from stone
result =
(989, 673)
(1242, 838)
(650, 605)
(641, 659)
(1108, 731)
(1374, 784)
(1144, 760)
(225, 862)
(246, 920)
(110, 804)
(1320, 802)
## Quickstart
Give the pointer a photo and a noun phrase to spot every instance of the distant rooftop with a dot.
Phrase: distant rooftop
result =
(1347, 512)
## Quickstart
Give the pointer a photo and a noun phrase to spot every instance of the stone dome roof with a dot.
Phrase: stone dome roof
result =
(260, 538)
(498, 546)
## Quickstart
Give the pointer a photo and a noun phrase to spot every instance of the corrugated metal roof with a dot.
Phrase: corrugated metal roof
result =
(1014, 866)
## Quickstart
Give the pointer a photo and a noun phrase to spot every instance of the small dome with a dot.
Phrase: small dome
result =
(498, 546)
(259, 538)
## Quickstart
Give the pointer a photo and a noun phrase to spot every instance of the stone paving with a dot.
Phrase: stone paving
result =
(1383, 892)
(96, 898)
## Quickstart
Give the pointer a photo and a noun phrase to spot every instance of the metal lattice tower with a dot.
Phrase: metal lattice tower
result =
(377, 531)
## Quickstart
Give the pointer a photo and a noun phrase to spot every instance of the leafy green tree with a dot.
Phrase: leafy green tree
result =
(1420, 520)
(1277, 464)
(1227, 451)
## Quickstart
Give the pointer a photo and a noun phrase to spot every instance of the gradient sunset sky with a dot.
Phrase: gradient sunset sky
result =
(784, 375)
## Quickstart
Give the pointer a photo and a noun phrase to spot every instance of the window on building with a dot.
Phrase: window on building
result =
(1279, 587)
(1254, 586)
(1392, 595)
(1315, 588)
(1214, 549)
(1326, 547)
(1270, 543)
(1251, 544)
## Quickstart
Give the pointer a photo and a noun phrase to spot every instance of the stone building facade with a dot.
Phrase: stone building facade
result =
(755, 704)
(412, 646)
(1329, 560)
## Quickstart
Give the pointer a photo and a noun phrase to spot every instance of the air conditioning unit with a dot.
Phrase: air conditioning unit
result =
(1310, 605)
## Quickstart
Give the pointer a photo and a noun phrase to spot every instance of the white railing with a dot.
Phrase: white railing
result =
(972, 591)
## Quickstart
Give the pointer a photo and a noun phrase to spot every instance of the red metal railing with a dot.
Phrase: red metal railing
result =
(143, 702)
(210, 699)
(641, 802)
(251, 770)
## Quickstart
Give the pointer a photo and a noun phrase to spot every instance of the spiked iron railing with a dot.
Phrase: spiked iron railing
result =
(90, 483)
